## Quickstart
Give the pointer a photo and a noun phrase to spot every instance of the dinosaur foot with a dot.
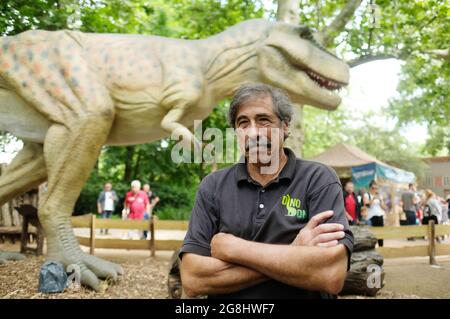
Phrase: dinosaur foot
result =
(89, 270)
(4, 256)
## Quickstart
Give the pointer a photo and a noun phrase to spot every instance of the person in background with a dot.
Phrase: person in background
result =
(106, 203)
(409, 204)
(363, 217)
(351, 204)
(432, 208)
(376, 207)
(448, 206)
(153, 199)
(136, 204)
(444, 208)
(360, 196)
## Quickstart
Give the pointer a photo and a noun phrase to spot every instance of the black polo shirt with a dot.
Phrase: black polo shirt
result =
(229, 201)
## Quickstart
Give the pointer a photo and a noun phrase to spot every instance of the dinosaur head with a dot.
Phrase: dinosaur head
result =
(290, 58)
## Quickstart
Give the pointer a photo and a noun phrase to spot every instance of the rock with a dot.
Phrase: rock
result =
(4, 256)
(52, 278)
(366, 274)
(363, 279)
(363, 238)
(174, 280)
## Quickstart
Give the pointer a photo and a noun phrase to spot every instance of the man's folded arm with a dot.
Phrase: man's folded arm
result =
(204, 275)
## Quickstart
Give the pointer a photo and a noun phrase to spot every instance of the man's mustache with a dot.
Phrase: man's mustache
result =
(256, 143)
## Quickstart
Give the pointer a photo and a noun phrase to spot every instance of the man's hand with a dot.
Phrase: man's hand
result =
(222, 245)
(317, 234)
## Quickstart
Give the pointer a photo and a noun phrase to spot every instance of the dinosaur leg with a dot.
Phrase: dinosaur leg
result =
(25, 172)
(65, 89)
(70, 154)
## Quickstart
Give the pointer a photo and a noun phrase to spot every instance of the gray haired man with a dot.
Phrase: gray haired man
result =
(106, 203)
(266, 233)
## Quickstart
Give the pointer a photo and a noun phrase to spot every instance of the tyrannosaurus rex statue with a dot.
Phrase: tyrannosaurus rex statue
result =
(68, 93)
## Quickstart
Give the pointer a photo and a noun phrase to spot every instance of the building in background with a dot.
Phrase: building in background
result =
(437, 176)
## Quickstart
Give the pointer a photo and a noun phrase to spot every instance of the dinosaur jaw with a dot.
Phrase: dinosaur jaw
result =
(316, 84)
(322, 81)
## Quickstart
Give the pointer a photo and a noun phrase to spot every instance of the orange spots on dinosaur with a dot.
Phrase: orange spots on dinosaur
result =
(37, 68)
(5, 65)
(12, 48)
(57, 91)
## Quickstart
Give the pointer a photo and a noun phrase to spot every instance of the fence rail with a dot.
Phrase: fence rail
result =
(431, 231)
(387, 232)
(90, 221)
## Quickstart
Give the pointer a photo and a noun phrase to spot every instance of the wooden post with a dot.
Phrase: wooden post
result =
(92, 251)
(152, 235)
(24, 238)
(432, 241)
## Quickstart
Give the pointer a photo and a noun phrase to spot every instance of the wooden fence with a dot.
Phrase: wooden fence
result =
(430, 231)
(90, 221)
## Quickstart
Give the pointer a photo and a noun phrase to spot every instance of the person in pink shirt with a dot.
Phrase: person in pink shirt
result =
(136, 205)
(136, 202)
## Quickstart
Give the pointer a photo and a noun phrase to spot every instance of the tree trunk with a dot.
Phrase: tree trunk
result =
(128, 163)
(6, 216)
(363, 238)
(366, 274)
(174, 279)
(138, 163)
(287, 11)
(297, 133)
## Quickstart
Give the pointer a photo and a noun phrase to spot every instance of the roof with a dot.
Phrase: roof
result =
(345, 156)
(438, 159)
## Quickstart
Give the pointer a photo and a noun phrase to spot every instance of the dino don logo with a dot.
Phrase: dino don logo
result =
(293, 207)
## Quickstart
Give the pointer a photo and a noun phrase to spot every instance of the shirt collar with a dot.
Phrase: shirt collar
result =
(286, 173)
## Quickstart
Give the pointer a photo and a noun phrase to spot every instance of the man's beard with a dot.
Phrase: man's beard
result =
(261, 151)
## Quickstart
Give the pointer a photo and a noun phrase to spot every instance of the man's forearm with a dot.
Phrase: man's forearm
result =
(311, 268)
(208, 276)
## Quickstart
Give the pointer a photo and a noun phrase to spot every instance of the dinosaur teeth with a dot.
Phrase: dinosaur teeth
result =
(322, 81)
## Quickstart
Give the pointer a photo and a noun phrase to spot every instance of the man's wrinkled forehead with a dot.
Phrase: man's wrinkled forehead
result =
(254, 106)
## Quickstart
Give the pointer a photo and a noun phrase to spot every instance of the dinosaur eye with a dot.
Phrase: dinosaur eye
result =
(306, 33)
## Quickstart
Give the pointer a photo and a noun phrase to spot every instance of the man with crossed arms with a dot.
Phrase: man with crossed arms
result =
(272, 225)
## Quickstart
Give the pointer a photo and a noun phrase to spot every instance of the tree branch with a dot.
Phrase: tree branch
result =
(369, 58)
(327, 35)
(287, 11)
(440, 54)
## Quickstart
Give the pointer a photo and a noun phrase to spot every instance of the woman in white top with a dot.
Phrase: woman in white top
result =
(375, 203)
(434, 206)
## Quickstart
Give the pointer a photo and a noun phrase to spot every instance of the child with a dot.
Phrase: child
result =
(364, 220)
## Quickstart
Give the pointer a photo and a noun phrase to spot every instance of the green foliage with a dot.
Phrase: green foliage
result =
(20, 15)
(405, 30)
(425, 98)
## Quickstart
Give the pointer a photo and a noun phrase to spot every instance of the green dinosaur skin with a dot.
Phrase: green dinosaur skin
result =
(67, 93)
